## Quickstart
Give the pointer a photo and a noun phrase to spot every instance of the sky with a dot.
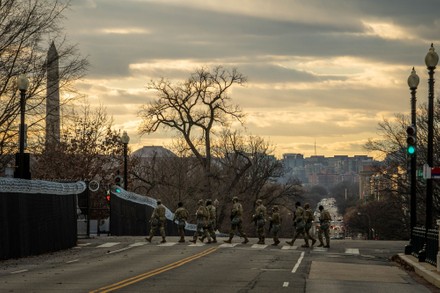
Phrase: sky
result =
(321, 73)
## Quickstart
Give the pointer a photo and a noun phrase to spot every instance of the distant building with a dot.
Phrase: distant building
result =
(325, 171)
(153, 151)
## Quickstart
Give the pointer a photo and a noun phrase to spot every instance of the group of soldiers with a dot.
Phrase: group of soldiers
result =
(206, 223)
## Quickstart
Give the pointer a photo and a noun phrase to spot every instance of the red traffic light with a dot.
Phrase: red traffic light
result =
(107, 197)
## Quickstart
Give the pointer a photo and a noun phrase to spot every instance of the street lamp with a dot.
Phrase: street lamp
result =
(431, 61)
(22, 170)
(413, 82)
(125, 139)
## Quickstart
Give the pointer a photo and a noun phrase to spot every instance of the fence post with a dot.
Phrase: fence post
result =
(438, 252)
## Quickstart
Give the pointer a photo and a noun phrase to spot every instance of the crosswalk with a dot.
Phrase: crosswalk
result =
(348, 251)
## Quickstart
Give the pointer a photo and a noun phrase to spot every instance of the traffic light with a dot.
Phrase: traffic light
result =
(411, 139)
(107, 196)
(119, 180)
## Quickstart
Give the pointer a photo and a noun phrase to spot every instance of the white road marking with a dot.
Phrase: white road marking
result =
(197, 244)
(20, 271)
(119, 250)
(286, 284)
(352, 250)
(108, 244)
(168, 244)
(138, 244)
(259, 246)
(298, 263)
(84, 244)
(289, 247)
(72, 261)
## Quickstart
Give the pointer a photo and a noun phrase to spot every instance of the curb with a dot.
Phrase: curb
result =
(423, 269)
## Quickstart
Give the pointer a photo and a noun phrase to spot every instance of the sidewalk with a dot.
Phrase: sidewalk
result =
(423, 269)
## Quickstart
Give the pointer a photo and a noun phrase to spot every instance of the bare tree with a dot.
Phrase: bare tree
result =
(27, 29)
(89, 149)
(194, 109)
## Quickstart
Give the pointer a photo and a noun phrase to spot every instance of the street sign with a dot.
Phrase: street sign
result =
(435, 173)
(431, 173)
(426, 171)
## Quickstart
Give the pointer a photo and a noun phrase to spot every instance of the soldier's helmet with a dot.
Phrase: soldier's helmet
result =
(158, 201)
(235, 199)
(275, 208)
(259, 201)
(200, 202)
(208, 202)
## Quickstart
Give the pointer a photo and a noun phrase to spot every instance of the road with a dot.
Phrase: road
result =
(129, 264)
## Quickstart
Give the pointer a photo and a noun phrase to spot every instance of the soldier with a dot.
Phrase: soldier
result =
(260, 220)
(324, 227)
(275, 225)
(298, 224)
(308, 216)
(202, 217)
(181, 215)
(212, 222)
(158, 221)
(236, 221)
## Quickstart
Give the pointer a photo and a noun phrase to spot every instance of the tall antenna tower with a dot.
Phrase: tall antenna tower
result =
(315, 146)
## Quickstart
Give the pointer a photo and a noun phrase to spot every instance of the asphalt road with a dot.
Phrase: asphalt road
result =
(129, 264)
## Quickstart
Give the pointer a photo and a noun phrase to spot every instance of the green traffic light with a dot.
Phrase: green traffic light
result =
(411, 150)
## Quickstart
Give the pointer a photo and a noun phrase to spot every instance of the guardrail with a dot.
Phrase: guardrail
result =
(424, 244)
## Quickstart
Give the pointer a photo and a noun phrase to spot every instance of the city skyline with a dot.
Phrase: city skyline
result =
(321, 75)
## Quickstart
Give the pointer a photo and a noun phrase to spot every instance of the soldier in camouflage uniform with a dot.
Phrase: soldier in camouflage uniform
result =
(181, 216)
(212, 222)
(275, 224)
(158, 222)
(324, 227)
(202, 217)
(236, 221)
(299, 225)
(308, 217)
(260, 220)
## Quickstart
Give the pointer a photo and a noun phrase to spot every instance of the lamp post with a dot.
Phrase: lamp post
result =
(125, 139)
(413, 82)
(22, 170)
(431, 61)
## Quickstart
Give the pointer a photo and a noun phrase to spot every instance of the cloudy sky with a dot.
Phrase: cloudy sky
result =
(324, 71)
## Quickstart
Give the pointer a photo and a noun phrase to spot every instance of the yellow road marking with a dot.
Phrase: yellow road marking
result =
(146, 275)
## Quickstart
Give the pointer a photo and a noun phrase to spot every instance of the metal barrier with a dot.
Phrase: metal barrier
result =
(130, 212)
(425, 244)
(37, 216)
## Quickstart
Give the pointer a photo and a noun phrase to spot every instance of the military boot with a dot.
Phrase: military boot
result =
(163, 240)
(149, 238)
(290, 242)
(246, 240)
(182, 239)
(194, 240)
(229, 240)
(262, 240)
(214, 239)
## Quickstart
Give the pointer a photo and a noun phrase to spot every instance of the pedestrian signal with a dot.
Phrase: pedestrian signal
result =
(411, 139)
(107, 197)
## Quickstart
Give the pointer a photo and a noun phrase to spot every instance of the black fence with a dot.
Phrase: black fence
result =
(35, 219)
(424, 244)
(130, 214)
